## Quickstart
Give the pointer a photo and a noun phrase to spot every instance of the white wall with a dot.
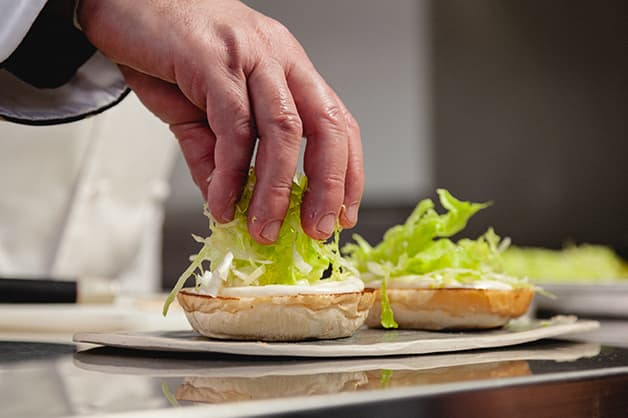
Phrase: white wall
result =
(374, 53)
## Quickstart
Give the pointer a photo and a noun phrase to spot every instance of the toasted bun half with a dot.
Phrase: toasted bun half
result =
(231, 389)
(448, 374)
(439, 309)
(277, 318)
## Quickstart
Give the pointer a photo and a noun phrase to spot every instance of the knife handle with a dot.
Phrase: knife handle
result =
(37, 291)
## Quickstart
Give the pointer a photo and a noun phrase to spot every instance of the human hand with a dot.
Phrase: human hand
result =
(221, 75)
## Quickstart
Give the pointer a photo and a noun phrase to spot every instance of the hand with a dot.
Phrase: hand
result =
(221, 75)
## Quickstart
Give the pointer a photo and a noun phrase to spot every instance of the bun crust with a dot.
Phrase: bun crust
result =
(277, 318)
(439, 309)
(232, 389)
(460, 373)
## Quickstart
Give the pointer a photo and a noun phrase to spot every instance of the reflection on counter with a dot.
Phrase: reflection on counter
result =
(225, 389)
(234, 389)
(220, 379)
(101, 380)
(400, 378)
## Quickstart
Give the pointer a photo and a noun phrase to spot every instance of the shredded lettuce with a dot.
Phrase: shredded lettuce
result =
(584, 263)
(384, 378)
(422, 246)
(387, 316)
(230, 257)
(165, 389)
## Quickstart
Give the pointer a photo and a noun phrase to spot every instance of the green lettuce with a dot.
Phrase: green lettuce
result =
(584, 263)
(230, 257)
(422, 246)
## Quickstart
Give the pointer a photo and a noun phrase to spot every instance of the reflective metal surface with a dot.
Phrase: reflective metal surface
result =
(51, 380)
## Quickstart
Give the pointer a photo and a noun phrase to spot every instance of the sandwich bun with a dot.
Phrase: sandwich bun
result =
(234, 389)
(452, 308)
(291, 317)
(449, 374)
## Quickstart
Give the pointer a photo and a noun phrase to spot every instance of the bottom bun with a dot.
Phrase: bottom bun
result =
(450, 374)
(277, 318)
(439, 309)
(244, 388)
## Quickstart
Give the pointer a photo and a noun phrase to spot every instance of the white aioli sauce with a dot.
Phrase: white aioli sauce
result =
(426, 282)
(324, 287)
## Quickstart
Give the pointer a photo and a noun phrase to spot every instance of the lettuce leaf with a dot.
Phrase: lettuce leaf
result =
(422, 246)
(583, 263)
(235, 259)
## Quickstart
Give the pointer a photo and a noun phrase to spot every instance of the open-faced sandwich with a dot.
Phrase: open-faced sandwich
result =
(425, 280)
(246, 290)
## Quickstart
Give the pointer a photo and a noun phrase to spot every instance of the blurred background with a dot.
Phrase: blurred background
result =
(521, 103)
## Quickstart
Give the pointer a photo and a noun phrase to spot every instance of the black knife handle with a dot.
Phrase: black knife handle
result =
(37, 291)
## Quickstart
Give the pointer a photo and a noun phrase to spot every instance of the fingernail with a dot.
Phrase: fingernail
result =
(227, 215)
(270, 232)
(326, 224)
(351, 213)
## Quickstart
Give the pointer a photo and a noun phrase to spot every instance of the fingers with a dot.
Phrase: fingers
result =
(187, 122)
(326, 153)
(197, 142)
(354, 181)
(280, 131)
(164, 99)
(229, 115)
(277, 101)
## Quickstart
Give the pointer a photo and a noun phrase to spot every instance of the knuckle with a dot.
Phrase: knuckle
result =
(231, 172)
(235, 103)
(264, 32)
(243, 129)
(194, 150)
(333, 182)
(276, 28)
(276, 38)
(288, 124)
(196, 158)
(232, 44)
(275, 192)
(332, 115)
(231, 117)
(281, 187)
(185, 142)
(192, 79)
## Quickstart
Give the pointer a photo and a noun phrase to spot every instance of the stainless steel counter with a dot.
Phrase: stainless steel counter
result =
(549, 378)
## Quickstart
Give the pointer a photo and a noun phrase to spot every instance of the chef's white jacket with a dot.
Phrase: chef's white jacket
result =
(85, 198)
